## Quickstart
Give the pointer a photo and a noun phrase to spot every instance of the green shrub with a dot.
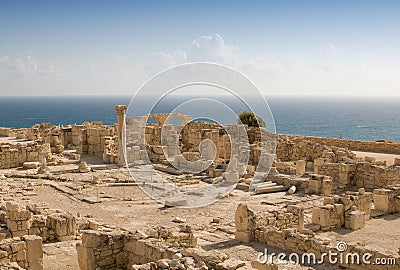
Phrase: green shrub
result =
(250, 119)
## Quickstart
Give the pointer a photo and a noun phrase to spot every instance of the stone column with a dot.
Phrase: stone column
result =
(121, 121)
(301, 220)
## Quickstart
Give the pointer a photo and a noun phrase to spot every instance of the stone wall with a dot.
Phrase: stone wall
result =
(349, 211)
(319, 184)
(367, 146)
(53, 227)
(360, 174)
(101, 250)
(6, 132)
(291, 148)
(119, 249)
(12, 156)
(187, 141)
(387, 200)
(300, 244)
(295, 241)
(373, 176)
(27, 251)
(18, 219)
(91, 139)
(247, 222)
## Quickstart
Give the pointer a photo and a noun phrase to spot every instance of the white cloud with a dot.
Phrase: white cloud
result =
(52, 68)
(332, 48)
(164, 60)
(22, 66)
(91, 71)
(329, 70)
(204, 49)
(213, 49)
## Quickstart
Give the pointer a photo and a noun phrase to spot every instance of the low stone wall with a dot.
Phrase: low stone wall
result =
(360, 174)
(54, 227)
(349, 211)
(89, 138)
(100, 250)
(27, 251)
(372, 176)
(249, 228)
(18, 219)
(295, 242)
(120, 249)
(6, 132)
(319, 184)
(292, 148)
(188, 139)
(12, 156)
(387, 200)
(247, 221)
(367, 146)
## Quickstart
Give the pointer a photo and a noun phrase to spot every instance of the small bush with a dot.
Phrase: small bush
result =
(250, 119)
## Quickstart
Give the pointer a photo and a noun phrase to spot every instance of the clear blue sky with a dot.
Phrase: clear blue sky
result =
(285, 47)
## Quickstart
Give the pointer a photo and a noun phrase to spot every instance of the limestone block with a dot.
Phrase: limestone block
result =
(344, 178)
(30, 165)
(12, 225)
(20, 215)
(93, 239)
(319, 162)
(25, 224)
(230, 264)
(130, 245)
(315, 185)
(83, 167)
(19, 233)
(175, 202)
(327, 186)
(243, 186)
(320, 216)
(62, 224)
(244, 222)
(34, 252)
(300, 167)
(355, 220)
(140, 247)
(381, 200)
(396, 162)
(86, 257)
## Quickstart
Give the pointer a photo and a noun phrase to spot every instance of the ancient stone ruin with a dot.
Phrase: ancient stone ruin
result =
(68, 200)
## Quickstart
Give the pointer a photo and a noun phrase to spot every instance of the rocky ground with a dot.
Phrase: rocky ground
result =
(126, 206)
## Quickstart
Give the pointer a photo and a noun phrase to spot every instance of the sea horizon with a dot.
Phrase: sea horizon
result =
(367, 118)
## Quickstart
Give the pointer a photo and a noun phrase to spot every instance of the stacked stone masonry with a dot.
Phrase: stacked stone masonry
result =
(26, 251)
(248, 223)
(121, 249)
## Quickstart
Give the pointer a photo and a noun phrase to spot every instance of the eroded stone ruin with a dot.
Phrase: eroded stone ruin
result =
(68, 185)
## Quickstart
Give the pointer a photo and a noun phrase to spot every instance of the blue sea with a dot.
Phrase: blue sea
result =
(359, 118)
